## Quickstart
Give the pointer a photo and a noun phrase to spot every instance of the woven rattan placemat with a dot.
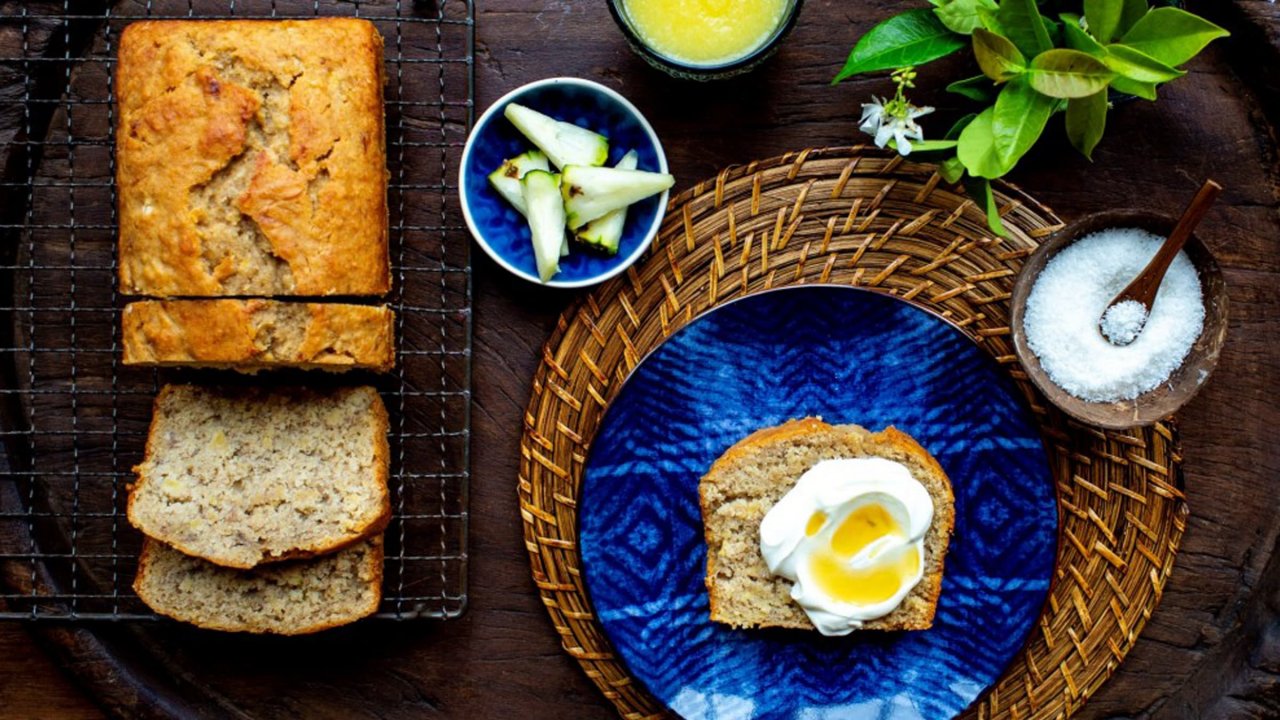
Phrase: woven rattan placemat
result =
(856, 216)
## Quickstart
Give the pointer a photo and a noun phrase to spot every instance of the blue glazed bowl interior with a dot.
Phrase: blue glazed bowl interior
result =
(849, 356)
(505, 231)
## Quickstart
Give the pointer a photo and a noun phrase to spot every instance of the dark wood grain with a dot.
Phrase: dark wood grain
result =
(1211, 650)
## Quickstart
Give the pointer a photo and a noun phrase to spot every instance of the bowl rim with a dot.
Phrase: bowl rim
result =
(725, 69)
(1131, 413)
(465, 200)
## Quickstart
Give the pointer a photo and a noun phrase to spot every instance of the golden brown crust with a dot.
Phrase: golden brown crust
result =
(250, 335)
(301, 103)
(788, 430)
(889, 442)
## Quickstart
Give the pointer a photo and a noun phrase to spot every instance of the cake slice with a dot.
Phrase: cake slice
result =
(252, 335)
(291, 598)
(752, 475)
(243, 476)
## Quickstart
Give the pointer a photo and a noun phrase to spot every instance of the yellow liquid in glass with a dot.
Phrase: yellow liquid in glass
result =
(704, 32)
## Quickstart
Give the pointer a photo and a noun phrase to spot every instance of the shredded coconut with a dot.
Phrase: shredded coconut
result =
(1069, 297)
(1122, 322)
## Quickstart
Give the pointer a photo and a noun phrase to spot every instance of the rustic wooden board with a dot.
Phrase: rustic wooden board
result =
(1210, 650)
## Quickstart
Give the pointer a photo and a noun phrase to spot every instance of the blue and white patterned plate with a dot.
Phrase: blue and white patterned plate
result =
(849, 356)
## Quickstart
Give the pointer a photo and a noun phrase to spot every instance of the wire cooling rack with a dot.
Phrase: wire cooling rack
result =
(74, 420)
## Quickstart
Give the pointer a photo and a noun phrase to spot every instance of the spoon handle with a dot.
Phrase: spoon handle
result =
(1144, 287)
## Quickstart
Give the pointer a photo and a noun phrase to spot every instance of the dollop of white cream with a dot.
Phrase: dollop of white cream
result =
(837, 488)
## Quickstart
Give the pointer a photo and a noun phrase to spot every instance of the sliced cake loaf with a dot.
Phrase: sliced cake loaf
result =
(242, 476)
(752, 475)
(251, 335)
(291, 598)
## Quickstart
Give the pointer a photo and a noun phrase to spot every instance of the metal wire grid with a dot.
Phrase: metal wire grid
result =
(75, 420)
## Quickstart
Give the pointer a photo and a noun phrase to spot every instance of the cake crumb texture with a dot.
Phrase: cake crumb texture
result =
(290, 598)
(243, 476)
(752, 475)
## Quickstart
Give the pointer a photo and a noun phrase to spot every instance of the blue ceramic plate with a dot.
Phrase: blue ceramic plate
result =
(849, 356)
(502, 232)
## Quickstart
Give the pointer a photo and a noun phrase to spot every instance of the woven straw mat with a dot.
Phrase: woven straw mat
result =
(861, 217)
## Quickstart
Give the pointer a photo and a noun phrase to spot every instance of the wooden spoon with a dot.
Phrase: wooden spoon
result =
(1143, 288)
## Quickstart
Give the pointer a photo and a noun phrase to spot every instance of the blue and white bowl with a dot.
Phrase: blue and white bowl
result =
(503, 233)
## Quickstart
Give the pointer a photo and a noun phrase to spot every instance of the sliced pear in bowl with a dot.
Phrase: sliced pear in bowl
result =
(564, 143)
(605, 233)
(593, 192)
(545, 212)
(506, 179)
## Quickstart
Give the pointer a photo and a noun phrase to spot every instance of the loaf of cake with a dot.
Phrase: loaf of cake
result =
(291, 598)
(243, 476)
(251, 335)
(747, 481)
(250, 158)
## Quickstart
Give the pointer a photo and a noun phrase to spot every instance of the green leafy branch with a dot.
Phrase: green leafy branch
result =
(1033, 67)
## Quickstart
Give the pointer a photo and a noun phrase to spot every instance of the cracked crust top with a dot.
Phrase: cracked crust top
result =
(251, 158)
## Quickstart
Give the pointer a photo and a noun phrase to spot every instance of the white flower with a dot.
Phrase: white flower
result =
(872, 115)
(903, 129)
(896, 122)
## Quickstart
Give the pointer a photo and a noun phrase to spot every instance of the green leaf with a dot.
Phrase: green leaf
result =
(1068, 73)
(1077, 39)
(991, 22)
(976, 88)
(1122, 59)
(962, 16)
(997, 57)
(977, 148)
(1131, 13)
(951, 170)
(1054, 29)
(1144, 90)
(914, 37)
(1023, 25)
(1137, 65)
(1086, 119)
(1171, 36)
(959, 126)
(1103, 17)
(926, 146)
(1019, 118)
(980, 190)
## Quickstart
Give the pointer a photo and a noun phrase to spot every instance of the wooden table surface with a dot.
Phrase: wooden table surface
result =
(1211, 650)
